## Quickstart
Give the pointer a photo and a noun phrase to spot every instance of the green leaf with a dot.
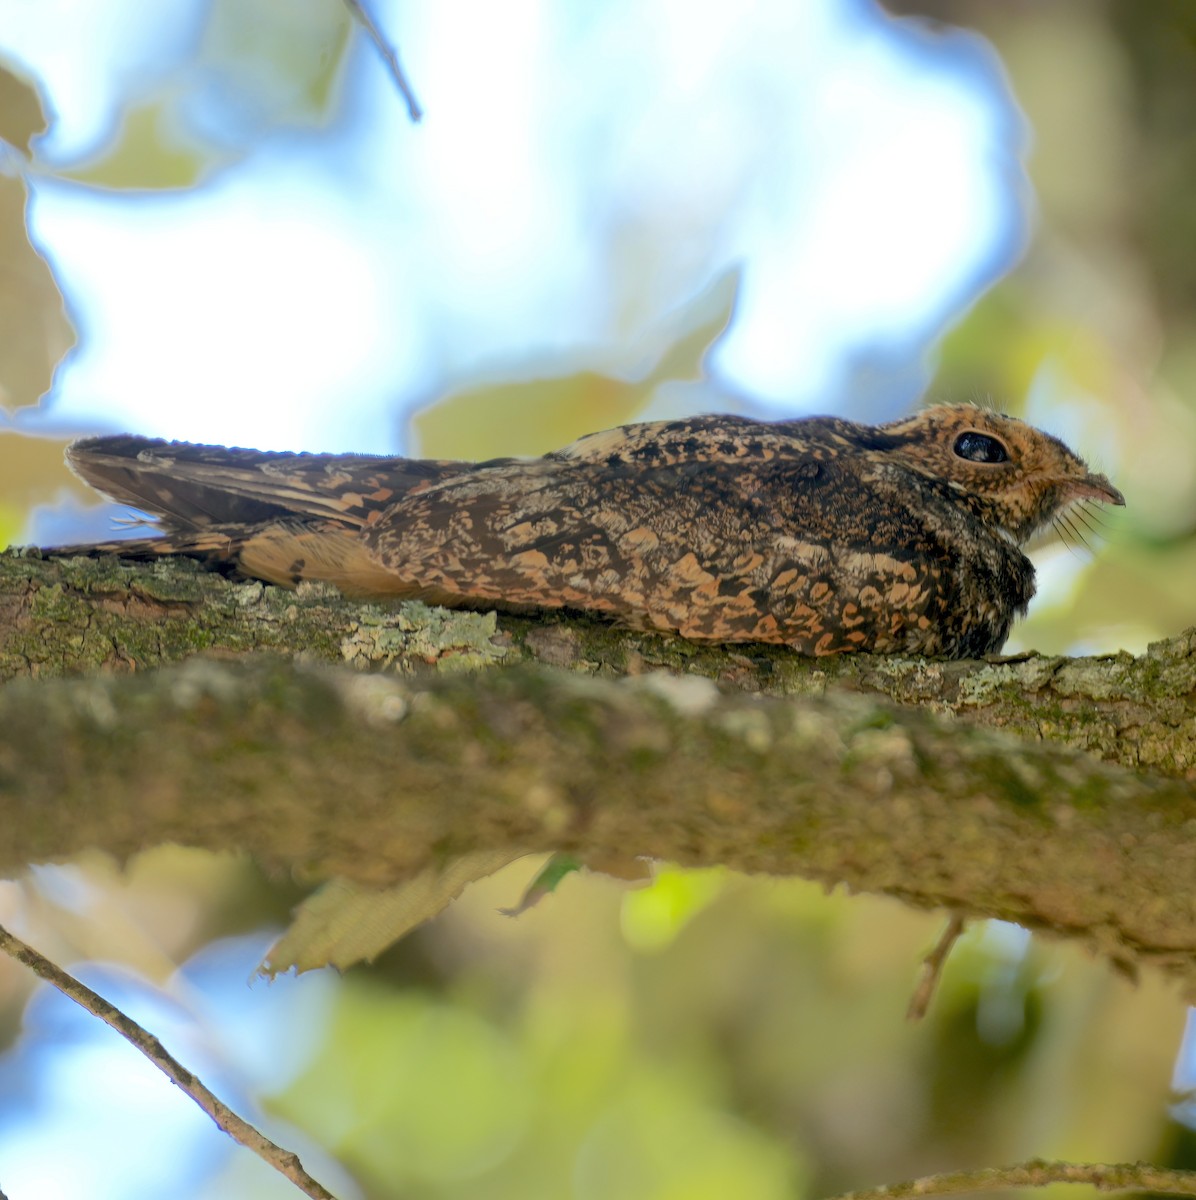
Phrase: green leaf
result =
(526, 418)
(149, 152)
(32, 471)
(546, 881)
(344, 923)
(283, 56)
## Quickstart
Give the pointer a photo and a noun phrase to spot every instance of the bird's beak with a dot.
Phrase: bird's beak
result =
(1094, 487)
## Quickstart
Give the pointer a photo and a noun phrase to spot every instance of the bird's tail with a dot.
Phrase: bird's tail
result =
(194, 487)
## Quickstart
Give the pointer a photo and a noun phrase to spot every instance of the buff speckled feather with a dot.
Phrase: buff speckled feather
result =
(823, 534)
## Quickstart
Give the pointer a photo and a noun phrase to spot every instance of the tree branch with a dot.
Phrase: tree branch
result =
(286, 1162)
(364, 16)
(371, 777)
(1107, 1177)
(61, 617)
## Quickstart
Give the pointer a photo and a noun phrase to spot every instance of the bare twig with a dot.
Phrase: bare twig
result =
(389, 54)
(284, 1161)
(1106, 1177)
(932, 968)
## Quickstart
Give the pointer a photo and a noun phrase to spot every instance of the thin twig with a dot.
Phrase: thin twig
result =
(241, 1131)
(1106, 1177)
(932, 968)
(390, 55)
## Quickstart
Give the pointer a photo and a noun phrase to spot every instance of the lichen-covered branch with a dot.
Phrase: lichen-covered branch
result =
(370, 777)
(68, 617)
(1105, 1177)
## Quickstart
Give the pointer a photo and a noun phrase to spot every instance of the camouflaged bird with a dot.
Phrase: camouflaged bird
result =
(822, 534)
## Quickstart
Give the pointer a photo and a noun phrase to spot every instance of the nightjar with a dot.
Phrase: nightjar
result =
(822, 534)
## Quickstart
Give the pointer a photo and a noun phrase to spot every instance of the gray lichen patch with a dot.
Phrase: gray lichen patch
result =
(1183, 646)
(413, 633)
(993, 681)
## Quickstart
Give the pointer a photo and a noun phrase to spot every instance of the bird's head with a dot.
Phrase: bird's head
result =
(1023, 479)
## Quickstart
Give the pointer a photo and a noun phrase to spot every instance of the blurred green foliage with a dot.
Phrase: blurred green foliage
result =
(282, 57)
(1091, 336)
(761, 1049)
(268, 63)
(150, 151)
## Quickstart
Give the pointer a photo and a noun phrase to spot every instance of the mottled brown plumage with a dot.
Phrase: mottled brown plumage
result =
(823, 534)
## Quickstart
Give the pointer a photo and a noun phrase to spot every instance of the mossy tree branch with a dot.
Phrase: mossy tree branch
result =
(82, 615)
(370, 777)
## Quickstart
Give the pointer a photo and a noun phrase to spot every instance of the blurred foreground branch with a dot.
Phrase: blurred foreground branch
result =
(371, 777)
(1105, 1177)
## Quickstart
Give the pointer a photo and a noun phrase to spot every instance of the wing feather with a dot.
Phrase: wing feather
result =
(760, 551)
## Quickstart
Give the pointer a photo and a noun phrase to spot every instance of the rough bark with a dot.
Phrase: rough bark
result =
(370, 776)
(63, 617)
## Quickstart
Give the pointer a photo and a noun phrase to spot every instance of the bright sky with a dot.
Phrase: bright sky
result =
(579, 174)
(582, 170)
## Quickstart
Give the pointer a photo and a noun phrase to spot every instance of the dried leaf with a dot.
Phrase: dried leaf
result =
(22, 117)
(34, 331)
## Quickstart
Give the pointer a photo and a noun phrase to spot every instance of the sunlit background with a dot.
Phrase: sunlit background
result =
(610, 212)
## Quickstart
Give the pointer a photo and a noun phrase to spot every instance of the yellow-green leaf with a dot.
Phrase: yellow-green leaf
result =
(530, 417)
(283, 56)
(149, 153)
(32, 471)
(538, 415)
(344, 923)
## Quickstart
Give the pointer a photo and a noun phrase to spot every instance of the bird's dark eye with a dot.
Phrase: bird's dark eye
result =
(979, 447)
